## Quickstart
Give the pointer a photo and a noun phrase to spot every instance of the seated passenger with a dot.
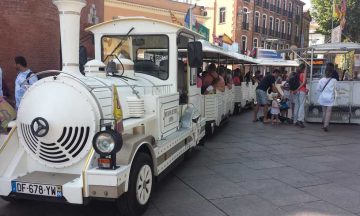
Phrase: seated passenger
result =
(236, 78)
(229, 79)
(248, 77)
(258, 77)
(212, 81)
(222, 72)
(198, 78)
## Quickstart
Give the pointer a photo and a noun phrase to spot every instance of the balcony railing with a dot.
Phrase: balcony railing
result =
(245, 25)
(266, 5)
(272, 7)
(264, 30)
(290, 14)
(277, 34)
(271, 32)
(278, 10)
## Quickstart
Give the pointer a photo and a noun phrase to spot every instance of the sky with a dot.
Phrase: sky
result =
(308, 4)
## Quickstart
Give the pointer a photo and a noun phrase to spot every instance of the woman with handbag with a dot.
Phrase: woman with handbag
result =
(326, 88)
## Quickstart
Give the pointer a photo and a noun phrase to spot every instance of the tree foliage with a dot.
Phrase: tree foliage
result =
(322, 12)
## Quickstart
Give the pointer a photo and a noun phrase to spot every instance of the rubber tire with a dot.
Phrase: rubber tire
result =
(127, 204)
(201, 142)
(12, 200)
(209, 132)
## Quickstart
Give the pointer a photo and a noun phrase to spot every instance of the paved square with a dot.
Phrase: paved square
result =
(250, 169)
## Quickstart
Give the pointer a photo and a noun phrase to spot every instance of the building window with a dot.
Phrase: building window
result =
(290, 9)
(222, 15)
(263, 44)
(257, 18)
(278, 4)
(287, 46)
(271, 23)
(264, 21)
(283, 30)
(277, 25)
(289, 28)
(245, 16)
(255, 43)
(244, 43)
(297, 10)
(297, 30)
(257, 22)
(284, 4)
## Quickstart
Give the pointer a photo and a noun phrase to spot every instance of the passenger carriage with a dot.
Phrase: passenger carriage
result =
(221, 105)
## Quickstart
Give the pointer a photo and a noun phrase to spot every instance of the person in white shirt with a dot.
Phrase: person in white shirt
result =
(24, 78)
(326, 88)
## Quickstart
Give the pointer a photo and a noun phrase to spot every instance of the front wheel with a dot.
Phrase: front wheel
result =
(136, 200)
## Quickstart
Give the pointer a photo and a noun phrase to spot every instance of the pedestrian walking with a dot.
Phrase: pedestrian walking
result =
(268, 82)
(297, 84)
(288, 97)
(326, 88)
(334, 74)
(24, 78)
(275, 109)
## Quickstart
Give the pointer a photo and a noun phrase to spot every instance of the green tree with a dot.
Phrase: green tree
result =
(322, 12)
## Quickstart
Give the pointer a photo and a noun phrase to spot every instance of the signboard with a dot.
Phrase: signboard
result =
(336, 35)
(232, 48)
(268, 54)
(318, 62)
(343, 93)
(202, 30)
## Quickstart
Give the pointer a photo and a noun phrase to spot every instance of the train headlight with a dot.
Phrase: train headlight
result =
(107, 142)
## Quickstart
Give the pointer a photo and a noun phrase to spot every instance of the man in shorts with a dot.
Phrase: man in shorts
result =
(268, 82)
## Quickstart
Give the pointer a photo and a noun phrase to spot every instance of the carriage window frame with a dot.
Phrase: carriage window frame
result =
(135, 35)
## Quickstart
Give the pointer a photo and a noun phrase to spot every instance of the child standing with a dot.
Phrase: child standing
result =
(275, 109)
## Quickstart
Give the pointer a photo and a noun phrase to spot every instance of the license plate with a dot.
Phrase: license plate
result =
(36, 189)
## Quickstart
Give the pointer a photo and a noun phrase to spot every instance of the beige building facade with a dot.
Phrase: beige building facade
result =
(221, 17)
(165, 10)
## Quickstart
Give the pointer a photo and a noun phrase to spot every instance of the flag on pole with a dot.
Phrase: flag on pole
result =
(187, 18)
(117, 111)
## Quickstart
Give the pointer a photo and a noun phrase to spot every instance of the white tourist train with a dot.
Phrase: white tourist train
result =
(68, 143)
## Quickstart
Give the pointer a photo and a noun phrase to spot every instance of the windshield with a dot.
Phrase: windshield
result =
(150, 53)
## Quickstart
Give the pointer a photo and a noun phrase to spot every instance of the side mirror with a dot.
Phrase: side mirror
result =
(195, 54)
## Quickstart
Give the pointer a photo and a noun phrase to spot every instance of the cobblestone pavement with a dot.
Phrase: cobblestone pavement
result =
(251, 169)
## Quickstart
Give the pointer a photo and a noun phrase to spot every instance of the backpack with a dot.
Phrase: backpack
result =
(294, 81)
(29, 75)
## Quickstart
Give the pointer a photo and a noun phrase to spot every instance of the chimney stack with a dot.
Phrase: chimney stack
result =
(69, 12)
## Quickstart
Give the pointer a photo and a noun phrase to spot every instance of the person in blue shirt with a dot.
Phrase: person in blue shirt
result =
(24, 78)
